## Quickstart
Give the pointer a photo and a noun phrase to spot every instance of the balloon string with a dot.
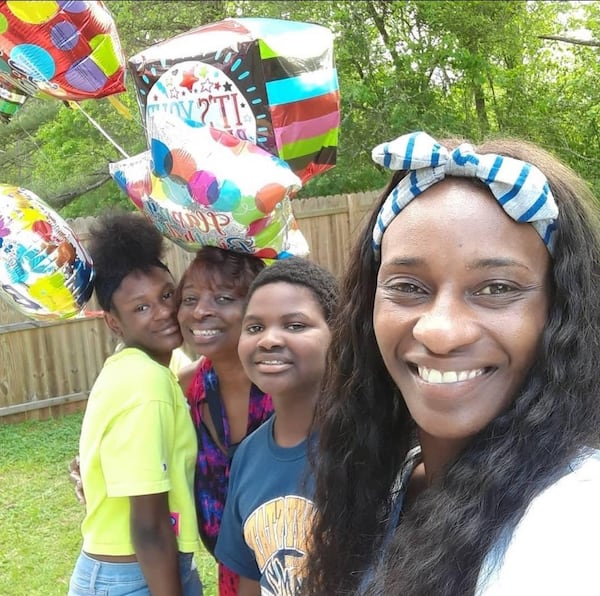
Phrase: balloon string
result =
(120, 107)
(74, 104)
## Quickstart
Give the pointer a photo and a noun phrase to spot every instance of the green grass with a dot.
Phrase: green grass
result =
(39, 514)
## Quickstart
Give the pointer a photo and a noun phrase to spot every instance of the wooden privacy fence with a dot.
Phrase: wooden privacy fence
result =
(48, 368)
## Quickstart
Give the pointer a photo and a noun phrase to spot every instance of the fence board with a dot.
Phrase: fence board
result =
(47, 368)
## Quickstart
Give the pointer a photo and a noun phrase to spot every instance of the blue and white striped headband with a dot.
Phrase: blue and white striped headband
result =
(520, 188)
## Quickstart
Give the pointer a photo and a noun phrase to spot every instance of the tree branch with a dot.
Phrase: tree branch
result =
(380, 24)
(66, 197)
(573, 40)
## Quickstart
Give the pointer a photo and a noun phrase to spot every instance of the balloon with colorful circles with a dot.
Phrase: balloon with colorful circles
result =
(268, 81)
(201, 186)
(44, 270)
(68, 50)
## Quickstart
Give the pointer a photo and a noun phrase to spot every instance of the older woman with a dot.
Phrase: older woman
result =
(225, 405)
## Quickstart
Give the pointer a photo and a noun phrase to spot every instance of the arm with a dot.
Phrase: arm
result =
(75, 477)
(155, 544)
(248, 587)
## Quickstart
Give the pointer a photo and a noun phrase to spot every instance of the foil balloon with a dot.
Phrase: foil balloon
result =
(68, 50)
(268, 81)
(11, 99)
(203, 187)
(44, 271)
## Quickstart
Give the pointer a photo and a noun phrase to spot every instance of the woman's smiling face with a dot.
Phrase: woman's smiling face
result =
(462, 298)
(210, 315)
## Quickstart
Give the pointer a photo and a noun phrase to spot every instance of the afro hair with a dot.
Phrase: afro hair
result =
(119, 244)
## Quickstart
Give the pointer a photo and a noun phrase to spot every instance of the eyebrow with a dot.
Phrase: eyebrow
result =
(487, 263)
(142, 297)
(497, 262)
(287, 315)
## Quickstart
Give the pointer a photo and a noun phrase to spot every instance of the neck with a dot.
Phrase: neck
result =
(294, 416)
(228, 366)
(232, 377)
(437, 454)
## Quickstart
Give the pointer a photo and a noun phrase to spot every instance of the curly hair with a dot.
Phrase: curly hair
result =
(216, 265)
(302, 272)
(366, 429)
(122, 242)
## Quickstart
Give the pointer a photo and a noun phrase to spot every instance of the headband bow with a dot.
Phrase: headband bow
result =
(520, 188)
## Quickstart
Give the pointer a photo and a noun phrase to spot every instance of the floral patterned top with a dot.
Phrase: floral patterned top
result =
(212, 465)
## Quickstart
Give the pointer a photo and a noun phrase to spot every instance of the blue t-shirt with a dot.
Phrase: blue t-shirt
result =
(267, 514)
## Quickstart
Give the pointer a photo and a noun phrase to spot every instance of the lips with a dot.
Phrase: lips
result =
(169, 330)
(272, 364)
(438, 377)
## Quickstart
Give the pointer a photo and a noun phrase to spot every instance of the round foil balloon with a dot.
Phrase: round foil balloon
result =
(44, 271)
(67, 50)
(204, 187)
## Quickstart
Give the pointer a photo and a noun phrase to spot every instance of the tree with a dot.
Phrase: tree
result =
(474, 68)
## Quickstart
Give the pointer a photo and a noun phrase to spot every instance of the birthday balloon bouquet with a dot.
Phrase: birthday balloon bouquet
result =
(55, 50)
(238, 115)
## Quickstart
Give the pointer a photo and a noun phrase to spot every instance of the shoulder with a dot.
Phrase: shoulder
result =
(569, 506)
(257, 440)
(572, 491)
(179, 360)
(187, 372)
(131, 370)
(192, 375)
(553, 548)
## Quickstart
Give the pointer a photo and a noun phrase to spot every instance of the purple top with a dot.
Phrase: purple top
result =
(212, 465)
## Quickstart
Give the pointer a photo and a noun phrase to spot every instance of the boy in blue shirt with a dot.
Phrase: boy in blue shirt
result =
(283, 345)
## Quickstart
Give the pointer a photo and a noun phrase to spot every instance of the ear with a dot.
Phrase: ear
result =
(113, 323)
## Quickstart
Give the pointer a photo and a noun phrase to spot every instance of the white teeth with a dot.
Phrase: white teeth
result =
(431, 375)
(271, 362)
(205, 332)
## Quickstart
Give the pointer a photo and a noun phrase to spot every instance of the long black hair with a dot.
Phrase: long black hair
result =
(366, 429)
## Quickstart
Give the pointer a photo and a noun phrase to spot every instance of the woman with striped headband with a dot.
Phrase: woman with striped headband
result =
(460, 421)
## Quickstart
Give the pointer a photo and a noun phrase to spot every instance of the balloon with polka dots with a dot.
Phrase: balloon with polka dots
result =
(205, 187)
(69, 50)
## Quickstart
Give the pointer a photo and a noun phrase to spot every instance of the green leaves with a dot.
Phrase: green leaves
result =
(473, 68)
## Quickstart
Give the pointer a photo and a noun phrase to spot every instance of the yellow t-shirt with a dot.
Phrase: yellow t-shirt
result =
(137, 438)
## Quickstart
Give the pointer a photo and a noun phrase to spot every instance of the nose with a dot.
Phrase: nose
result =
(270, 339)
(448, 324)
(203, 307)
(166, 310)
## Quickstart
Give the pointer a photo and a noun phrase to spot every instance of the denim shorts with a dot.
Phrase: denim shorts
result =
(99, 578)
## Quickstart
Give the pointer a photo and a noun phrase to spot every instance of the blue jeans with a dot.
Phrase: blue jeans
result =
(98, 578)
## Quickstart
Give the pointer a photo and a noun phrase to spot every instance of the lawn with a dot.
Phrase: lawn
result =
(39, 515)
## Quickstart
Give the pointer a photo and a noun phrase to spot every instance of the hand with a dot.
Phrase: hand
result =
(75, 477)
